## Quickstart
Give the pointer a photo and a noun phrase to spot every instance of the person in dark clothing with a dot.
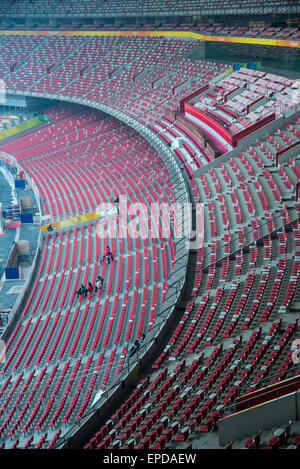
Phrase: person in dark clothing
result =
(81, 290)
(109, 256)
(134, 347)
(116, 201)
(137, 343)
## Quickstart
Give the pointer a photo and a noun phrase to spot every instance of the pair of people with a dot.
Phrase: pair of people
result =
(83, 290)
(108, 257)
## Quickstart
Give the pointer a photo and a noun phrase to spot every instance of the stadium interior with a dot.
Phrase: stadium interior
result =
(149, 224)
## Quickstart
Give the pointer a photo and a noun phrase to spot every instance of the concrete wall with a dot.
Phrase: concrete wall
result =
(269, 415)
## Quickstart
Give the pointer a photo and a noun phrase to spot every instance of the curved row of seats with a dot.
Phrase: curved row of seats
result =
(146, 79)
(269, 31)
(218, 310)
(64, 347)
(245, 97)
(185, 399)
(240, 294)
(247, 197)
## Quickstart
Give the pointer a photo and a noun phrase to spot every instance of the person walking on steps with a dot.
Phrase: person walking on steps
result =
(109, 257)
(99, 283)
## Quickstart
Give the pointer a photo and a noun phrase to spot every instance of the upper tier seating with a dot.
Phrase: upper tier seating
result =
(119, 8)
(245, 98)
(208, 29)
(146, 76)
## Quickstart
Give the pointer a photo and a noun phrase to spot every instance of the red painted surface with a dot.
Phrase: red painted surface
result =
(283, 150)
(232, 139)
(209, 121)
